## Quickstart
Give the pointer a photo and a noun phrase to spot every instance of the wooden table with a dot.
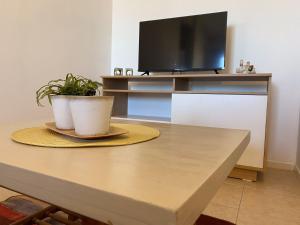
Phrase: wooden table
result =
(166, 181)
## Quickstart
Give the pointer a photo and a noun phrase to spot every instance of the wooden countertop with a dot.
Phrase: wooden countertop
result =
(166, 181)
(228, 75)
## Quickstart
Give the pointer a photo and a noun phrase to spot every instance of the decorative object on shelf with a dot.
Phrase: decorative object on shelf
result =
(75, 104)
(129, 72)
(41, 136)
(118, 71)
(246, 68)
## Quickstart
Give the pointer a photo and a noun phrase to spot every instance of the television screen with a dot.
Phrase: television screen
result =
(188, 43)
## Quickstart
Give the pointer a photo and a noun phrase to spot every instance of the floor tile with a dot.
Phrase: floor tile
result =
(221, 212)
(265, 207)
(246, 217)
(277, 181)
(229, 195)
(234, 181)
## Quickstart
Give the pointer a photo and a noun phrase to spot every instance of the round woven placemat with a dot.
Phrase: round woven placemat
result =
(41, 136)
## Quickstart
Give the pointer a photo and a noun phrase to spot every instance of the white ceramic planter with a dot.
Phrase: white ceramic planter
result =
(91, 114)
(62, 112)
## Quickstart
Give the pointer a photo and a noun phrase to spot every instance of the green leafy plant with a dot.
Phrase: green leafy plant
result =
(71, 85)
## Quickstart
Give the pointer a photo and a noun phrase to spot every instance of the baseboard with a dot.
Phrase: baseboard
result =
(249, 168)
(244, 174)
(280, 165)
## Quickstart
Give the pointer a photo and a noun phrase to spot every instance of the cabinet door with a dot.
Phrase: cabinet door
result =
(226, 111)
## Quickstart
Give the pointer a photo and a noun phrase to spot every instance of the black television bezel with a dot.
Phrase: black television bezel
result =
(182, 70)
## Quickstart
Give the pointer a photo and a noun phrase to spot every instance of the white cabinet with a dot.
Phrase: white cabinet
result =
(226, 111)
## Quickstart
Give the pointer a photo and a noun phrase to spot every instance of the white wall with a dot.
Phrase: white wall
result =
(45, 39)
(265, 32)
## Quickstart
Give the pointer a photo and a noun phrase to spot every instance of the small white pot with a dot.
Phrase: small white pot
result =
(91, 114)
(62, 112)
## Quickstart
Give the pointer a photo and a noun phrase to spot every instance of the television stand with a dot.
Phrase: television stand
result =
(173, 72)
(145, 73)
(211, 100)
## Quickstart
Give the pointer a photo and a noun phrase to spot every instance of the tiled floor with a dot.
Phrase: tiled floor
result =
(273, 200)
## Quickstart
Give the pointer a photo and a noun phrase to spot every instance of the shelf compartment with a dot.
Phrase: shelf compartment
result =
(235, 87)
(112, 84)
(144, 118)
(149, 105)
(164, 85)
(138, 91)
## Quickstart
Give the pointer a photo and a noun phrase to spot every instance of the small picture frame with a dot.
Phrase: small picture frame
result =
(129, 72)
(118, 71)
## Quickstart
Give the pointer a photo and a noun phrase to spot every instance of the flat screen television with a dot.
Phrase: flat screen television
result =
(190, 43)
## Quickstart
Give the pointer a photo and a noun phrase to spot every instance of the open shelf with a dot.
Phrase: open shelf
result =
(186, 92)
(139, 91)
(144, 118)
